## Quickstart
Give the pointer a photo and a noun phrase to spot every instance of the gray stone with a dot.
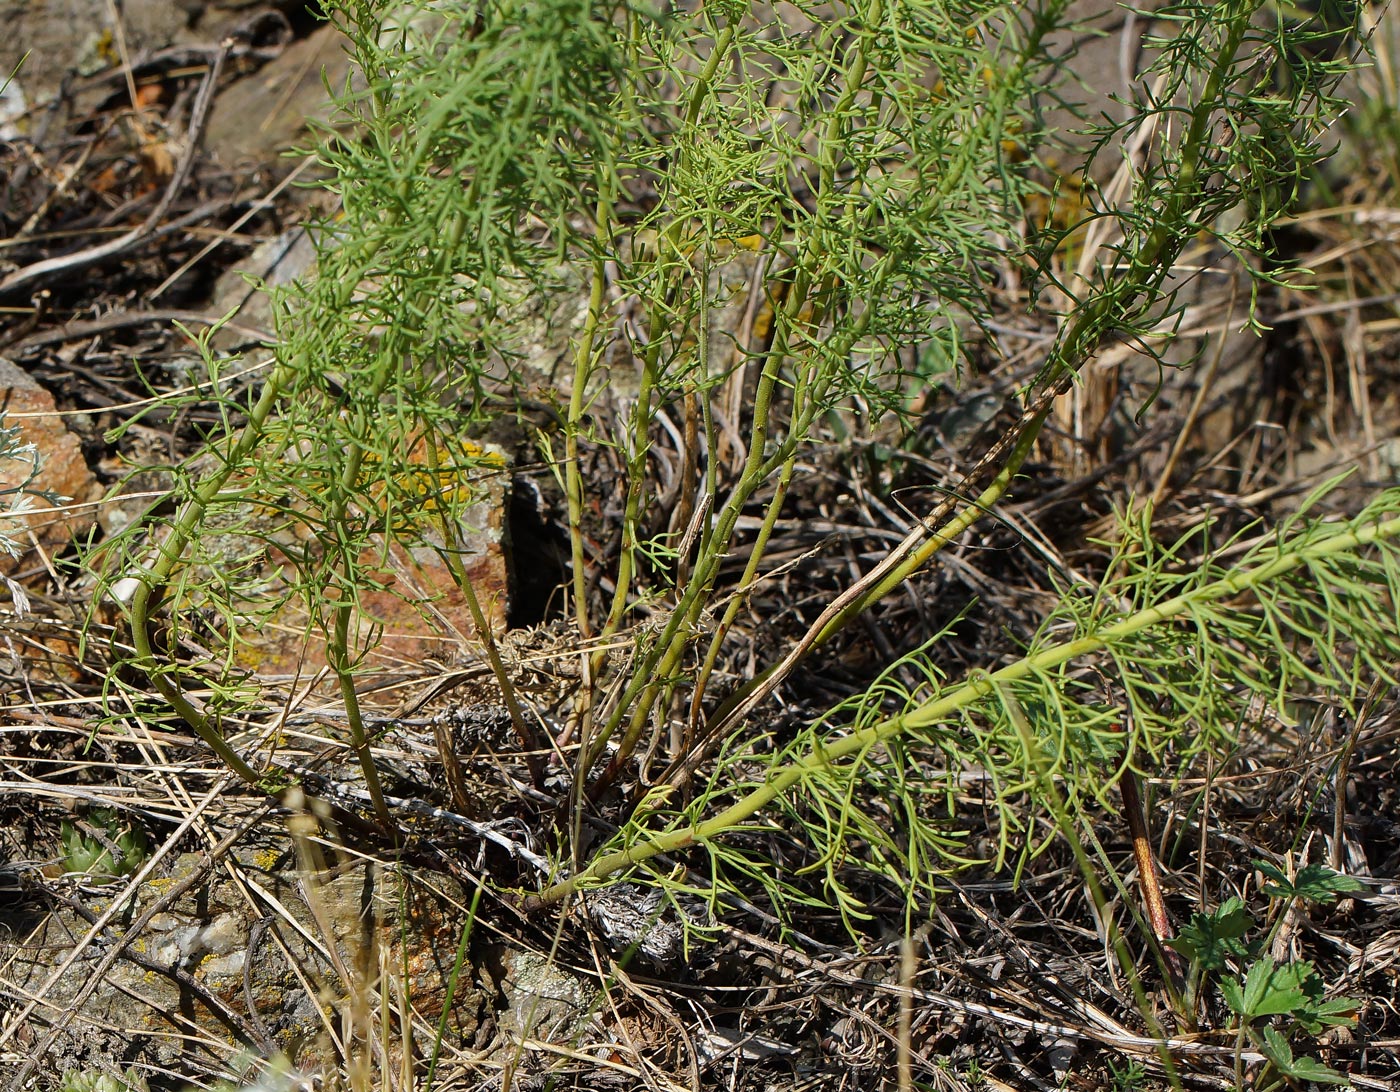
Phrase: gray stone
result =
(262, 116)
(236, 959)
(50, 40)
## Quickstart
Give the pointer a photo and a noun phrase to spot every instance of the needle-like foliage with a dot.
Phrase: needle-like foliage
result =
(1175, 651)
(863, 175)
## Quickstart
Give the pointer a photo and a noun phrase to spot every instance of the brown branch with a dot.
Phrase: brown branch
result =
(1149, 877)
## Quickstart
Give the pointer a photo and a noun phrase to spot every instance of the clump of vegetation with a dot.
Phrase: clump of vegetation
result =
(865, 183)
(75, 1080)
(1218, 948)
(873, 172)
(106, 845)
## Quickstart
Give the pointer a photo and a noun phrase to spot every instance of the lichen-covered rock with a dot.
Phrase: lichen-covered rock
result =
(543, 1000)
(49, 41)
(224, 968)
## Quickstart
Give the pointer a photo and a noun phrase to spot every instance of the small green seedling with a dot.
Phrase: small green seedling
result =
(106, 847)
(1129, 1077)
(89, 1081)
(1314, 882)
(1273, 1001)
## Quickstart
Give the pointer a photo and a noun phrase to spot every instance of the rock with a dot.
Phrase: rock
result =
(13, 107)
(410, 596)
(63, 469)
(543, 1001)
(216, 966)
(409, 608)
(275, 262)
(47, 41)
(263, 115)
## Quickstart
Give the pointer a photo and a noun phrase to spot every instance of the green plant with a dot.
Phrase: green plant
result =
(498, 147)
(862, 183)
(74, 1080)
(1189, 662)
(864, 176)
(1217, 950)
(1128, 1077)
(105, 845)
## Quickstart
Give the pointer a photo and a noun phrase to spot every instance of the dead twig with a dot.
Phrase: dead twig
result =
(98, 973)
(80, 331)
(47, 270)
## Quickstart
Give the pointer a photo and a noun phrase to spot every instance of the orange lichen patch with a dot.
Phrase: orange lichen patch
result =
(428, 482)
(259, 570)
(106, 47)
(429, 962)
(1012, 147)
(152, 148)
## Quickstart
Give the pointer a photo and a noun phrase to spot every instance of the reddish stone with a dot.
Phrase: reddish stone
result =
(62, 468)
(412, 600)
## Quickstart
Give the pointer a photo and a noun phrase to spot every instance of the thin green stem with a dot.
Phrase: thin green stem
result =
(151, 584)
(650, 678)
(578, 401)
(636, 458)
(908, 558)
(741, 593)
(341, 661)
(975, 689)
